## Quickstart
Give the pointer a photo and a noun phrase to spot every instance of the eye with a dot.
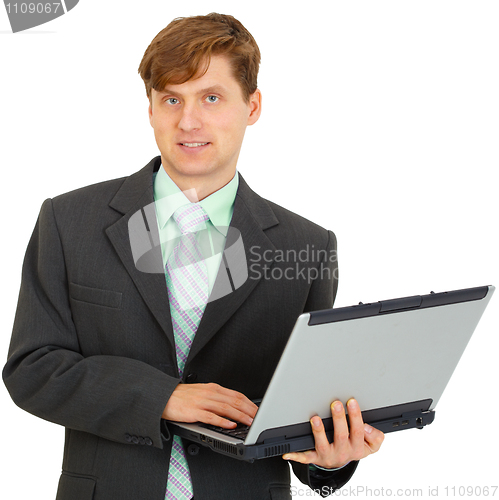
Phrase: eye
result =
(171, 99)
(212, 98)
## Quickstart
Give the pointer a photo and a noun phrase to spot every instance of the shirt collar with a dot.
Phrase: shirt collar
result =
(219, 205)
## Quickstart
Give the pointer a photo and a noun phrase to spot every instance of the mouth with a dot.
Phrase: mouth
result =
(194, 144)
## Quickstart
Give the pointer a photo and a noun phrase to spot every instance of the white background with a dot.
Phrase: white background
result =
(380, 121)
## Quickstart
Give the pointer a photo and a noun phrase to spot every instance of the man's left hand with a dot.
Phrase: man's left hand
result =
(355, 443)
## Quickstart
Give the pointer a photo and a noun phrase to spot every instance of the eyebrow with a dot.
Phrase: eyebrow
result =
(219, 89)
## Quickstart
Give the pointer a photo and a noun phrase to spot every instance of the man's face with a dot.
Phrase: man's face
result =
(199, 125)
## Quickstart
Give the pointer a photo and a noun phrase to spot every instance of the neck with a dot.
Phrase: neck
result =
(198, 187)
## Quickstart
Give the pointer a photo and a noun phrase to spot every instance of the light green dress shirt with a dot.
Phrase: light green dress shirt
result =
(219, 206)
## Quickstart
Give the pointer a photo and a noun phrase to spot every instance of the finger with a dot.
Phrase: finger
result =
(304, 457)
(373, 438)
(208, 417)
(357, 430)
(235, 399)
(208, 403)
(322, 445)
(244, 404)
(229, 404)
(340, 433)
(229, 412)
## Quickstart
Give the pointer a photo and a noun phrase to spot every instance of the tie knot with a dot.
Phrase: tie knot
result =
(190, 218)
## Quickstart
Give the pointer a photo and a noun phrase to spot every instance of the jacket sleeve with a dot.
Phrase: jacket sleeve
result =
(321, 296)
(113, 397)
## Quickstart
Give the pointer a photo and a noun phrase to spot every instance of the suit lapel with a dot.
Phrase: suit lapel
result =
(136, 240)
(251, 216)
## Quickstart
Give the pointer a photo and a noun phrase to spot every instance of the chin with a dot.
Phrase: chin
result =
(192, 170)
(196, 170)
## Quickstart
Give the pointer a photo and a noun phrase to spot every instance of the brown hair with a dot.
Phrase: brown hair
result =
(183, 50)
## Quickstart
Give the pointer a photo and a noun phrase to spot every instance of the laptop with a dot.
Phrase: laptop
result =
(404, 352)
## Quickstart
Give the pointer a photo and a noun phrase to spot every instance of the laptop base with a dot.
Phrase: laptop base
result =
(279, 444)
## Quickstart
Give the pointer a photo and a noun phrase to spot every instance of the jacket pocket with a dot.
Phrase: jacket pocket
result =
(75, 488)
(97, 296)
(280, 492)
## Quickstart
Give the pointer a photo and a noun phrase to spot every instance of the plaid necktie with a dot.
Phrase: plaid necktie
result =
(187, 281)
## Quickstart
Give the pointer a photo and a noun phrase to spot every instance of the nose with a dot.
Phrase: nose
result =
(190, 118)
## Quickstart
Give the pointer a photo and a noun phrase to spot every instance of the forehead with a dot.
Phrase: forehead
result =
(218, 78)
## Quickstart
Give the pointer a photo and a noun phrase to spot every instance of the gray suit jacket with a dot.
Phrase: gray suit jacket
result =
(92, 347)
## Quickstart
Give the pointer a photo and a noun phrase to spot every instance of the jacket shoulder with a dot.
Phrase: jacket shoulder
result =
(100, 193)
(299, 227)
(287, 216)
(281, 223)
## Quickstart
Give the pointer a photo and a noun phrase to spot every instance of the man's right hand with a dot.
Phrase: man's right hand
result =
(210, 404)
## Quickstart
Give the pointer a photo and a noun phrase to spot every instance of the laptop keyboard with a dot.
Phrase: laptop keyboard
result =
(240, 432)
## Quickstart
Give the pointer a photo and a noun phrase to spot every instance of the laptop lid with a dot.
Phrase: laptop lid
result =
(389, 355)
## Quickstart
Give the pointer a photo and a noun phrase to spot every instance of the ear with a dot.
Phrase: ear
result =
(255, 107)
(150, 111)
(152, 96)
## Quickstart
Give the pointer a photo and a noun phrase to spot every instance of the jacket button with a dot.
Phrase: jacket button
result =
(148, 441)
(193, 449)
(135, 440)
(191, 378)
(128, 438)
(142, 440)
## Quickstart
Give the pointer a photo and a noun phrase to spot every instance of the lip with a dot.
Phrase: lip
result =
(193, 149)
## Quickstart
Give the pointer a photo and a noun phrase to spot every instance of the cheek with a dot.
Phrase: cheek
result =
(232, 130)
(161, 130)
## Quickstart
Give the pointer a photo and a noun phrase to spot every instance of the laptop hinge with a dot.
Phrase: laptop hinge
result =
(400, 304)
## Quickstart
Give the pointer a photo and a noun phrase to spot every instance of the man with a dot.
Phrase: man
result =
(112, 349)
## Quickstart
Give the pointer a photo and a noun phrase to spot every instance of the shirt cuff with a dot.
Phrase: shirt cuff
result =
(313, 467)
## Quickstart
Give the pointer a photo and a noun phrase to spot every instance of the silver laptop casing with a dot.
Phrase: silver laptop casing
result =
(394, 357)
